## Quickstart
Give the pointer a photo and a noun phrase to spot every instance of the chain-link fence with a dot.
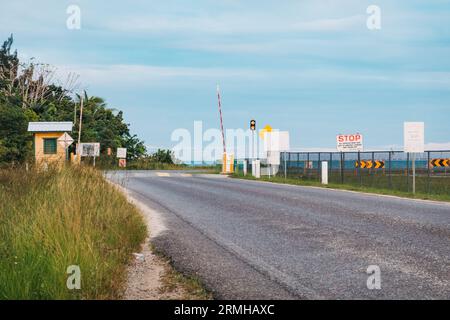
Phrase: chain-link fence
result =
(381, 169)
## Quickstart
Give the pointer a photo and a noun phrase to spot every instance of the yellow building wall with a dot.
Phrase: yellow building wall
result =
(40, 157)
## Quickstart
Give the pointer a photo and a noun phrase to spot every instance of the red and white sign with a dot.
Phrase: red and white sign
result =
(349, 142)
(122, 163)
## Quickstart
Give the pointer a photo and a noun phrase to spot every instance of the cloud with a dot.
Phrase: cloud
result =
(123, 75)
(233, 24)
(131, 75)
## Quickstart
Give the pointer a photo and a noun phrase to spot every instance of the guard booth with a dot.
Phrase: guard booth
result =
(50, 142)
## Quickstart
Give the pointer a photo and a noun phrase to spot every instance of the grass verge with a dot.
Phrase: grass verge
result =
(312, 183)
(59, 218)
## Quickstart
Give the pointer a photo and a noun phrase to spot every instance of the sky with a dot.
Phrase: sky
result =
(310, 67)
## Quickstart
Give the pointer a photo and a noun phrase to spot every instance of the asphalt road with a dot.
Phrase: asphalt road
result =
(255, 240)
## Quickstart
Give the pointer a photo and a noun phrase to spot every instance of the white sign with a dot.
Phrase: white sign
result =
(90, 149)
(65, 140)
(273, 158)
(276, 141)
(122, 153)
(349, 142)
(414, 137)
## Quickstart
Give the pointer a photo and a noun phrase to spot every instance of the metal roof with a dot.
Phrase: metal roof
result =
(50, 127)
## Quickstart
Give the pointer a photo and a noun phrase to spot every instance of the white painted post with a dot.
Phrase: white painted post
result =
(244, 168)
(253, 167)
(256, 169)
(414, 172)
(324, 172)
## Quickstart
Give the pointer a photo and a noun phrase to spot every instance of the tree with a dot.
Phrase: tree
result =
(163, 156)
(9, 64)
(15, 142)
(30, 92)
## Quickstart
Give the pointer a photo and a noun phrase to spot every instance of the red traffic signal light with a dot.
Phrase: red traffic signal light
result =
(253, 125)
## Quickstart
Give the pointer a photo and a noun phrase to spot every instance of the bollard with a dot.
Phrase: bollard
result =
(256, 169)
(324, 172)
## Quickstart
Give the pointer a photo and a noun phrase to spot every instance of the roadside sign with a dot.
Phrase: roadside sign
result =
(265, 130)
(414, 137)
(414, 142)
(90, 149)
(65, 140)
(122, 153)
(273, 158)
(369, 164)
(122, 163)
(276, 141)
(440, 163)
(349, 142)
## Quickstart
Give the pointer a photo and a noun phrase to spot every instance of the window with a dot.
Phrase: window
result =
(50, 146)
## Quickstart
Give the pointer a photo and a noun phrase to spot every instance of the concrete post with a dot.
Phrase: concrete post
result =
(324, 172)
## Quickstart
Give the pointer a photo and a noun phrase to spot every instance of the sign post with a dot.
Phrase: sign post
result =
(89, 150)
(253, 129)
(276, 142)
(414, 142)
(65, 141)
(122, 156)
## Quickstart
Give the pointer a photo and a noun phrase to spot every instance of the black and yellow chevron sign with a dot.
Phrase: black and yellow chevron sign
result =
(440, 163)
(369, 164)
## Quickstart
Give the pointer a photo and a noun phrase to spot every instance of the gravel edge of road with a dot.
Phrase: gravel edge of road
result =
(150, 276)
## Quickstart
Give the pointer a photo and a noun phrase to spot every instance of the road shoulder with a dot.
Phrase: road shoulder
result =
(150, 276)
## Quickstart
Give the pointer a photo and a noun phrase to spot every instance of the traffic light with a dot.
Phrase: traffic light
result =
(253, 125)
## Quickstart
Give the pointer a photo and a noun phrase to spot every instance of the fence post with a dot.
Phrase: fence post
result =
(342, 167)
(429, 173)
(307, 165)
(390, 170)
(319, 168)
(407, 172)
(359, 168)
(372, 170)
(331, 162)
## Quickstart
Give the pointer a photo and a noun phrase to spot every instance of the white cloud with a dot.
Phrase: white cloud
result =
(130, 75)
(122, 75)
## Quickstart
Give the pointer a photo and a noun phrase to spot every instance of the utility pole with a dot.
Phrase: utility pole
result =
(79, 131)
(75, 114)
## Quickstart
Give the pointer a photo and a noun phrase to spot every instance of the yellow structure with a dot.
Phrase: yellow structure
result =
(47, 149)
(227, 163)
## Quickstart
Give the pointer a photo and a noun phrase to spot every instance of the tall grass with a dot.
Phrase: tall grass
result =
(58, 218)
